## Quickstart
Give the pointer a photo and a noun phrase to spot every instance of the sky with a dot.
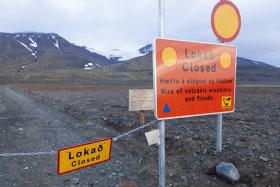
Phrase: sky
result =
(131, 24)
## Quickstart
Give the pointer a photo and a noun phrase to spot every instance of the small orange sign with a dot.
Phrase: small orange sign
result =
(192, 78)
(225, 21)
(80, 156)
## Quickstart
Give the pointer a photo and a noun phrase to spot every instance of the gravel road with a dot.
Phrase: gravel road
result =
(29, 126)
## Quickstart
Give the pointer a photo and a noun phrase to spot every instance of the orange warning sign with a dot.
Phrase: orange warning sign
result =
(192, 78)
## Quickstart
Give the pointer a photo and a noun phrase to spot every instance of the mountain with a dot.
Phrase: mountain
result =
(38, 51)
(48, 57)
(248, 71)
(139, 63)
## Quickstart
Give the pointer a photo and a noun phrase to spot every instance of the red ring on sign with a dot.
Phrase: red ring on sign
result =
(222, 2)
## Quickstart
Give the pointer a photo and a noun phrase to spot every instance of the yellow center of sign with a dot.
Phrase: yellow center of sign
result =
(226, 21)
(169, 56)
(225, 60)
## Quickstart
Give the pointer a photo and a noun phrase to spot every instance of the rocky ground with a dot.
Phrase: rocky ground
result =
(47, 118)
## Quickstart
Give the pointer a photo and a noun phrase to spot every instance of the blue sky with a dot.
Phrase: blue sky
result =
(131, 24)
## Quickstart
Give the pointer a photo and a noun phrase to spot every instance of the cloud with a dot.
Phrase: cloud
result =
(127, 24)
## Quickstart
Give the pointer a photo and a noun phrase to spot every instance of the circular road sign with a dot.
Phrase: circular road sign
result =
(225, 21)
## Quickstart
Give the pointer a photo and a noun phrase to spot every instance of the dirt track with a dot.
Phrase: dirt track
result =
(43, 120)
(29, 126)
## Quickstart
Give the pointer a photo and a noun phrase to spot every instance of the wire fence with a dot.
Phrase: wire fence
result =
(53, 152)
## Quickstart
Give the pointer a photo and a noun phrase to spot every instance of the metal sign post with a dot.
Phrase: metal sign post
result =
(161, 124)
(219, 129)
(161, 127)
(226, 23)
(161, 18)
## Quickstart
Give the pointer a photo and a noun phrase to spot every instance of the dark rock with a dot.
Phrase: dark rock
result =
(209, 167)
(243, 139)
(128, 184)
(184, 179)
(196, 137)
(245, 176)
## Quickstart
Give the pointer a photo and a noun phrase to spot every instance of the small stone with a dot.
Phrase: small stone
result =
(177, 137)
(196, 137)
(103, 172)
(172, 174)
(26, 168)
(66, 180)
(263, 158)
(184, 179)
(243, 185)
(128, 184)
(209, 167)
(245, 175)
(76, 180)
(203, 120)
(188, 140)
(275, 181)
(34, 164)
(269, 132)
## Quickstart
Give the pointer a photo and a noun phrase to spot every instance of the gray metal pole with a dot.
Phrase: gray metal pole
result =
(219, 129)
(161, 124)
(161, 13)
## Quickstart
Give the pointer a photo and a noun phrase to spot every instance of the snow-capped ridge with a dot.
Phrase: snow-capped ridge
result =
(120, 55)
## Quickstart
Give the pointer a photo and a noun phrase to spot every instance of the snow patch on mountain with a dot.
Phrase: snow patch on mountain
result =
(16, 36)
(25, 46)
(91, 65)
(54, 41)
(33, 43)
(56, 44)
(33, 53)
(121, 55)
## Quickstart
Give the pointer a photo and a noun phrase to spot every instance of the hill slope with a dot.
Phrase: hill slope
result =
(39, 51)
(248, 71)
